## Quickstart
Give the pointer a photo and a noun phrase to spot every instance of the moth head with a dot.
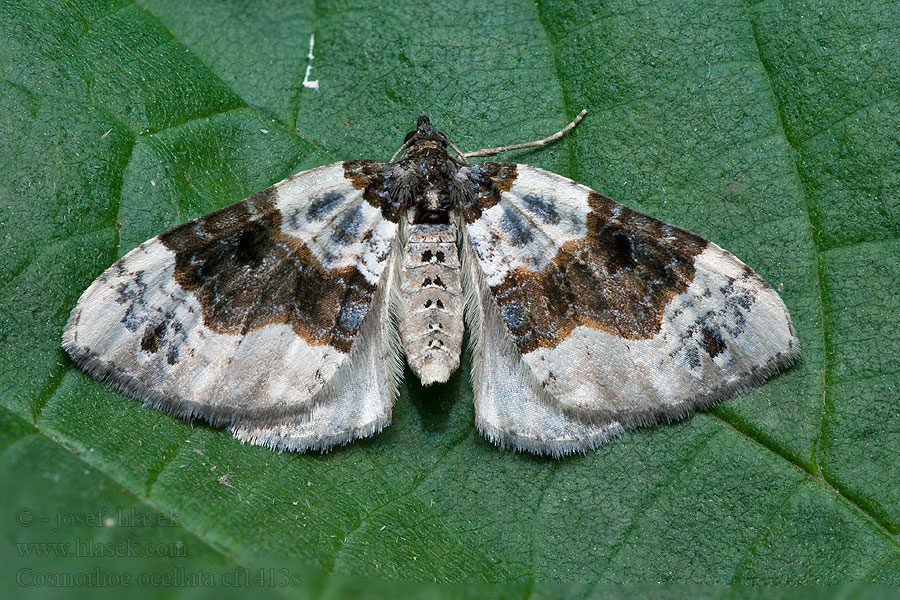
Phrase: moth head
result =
(425, 135)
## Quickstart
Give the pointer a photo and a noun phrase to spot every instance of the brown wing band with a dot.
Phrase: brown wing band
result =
(373, 178)
(618, 278)
(246, 274)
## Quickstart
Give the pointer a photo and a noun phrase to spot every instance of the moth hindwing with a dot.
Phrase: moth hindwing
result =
(284, 317)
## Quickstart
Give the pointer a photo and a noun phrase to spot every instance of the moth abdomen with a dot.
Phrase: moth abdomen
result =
(431, 302)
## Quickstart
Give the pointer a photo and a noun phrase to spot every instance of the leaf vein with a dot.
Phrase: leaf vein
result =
(815, 226)
(655, 497)
(821, 480)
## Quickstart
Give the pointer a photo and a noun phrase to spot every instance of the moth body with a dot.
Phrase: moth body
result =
(431, 301)
(285, 316)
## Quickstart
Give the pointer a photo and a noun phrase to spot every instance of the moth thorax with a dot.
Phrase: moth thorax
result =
(432, 200)
(433, 208)
(431, 301)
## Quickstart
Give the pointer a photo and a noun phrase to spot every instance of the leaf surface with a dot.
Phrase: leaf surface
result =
(771, 129)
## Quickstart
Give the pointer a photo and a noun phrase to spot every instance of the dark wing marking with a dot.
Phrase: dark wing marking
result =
(617, 278)
(246, 273)
(487, 181)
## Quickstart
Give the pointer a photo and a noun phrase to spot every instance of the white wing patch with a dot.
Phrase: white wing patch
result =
(683, 367)
(358, 399)
(528, 226)
(511, 407)
(193, 370)
(339, 227)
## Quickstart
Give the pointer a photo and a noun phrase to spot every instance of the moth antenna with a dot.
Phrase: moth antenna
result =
(455, 149)
(402, 149)
(537, 144)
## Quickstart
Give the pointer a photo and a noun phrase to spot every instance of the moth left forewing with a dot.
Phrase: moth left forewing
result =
(246, 316)
(619, 316)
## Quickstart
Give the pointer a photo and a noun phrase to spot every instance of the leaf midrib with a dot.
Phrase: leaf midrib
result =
(823, 298)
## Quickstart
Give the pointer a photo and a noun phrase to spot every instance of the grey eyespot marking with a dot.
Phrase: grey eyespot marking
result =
(692, 357)
(352, 314)
(132, 293)
(321, 207)
(513, 315)
(541, 207)
(347, 230)
(515, 228)
(296, 218)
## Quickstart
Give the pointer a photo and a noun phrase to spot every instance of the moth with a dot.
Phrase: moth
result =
(285, 317)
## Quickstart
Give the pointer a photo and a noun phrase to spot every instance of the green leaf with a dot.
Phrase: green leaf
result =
(771, 129)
